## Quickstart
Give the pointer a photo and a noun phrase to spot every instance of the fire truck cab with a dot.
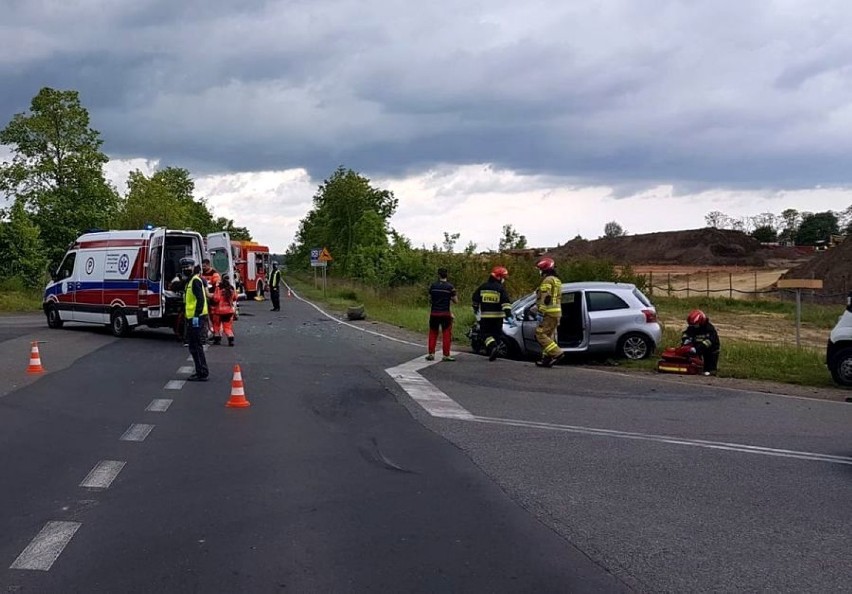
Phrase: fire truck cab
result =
(252, 263)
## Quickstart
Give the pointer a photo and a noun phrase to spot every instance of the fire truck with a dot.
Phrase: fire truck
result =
(252, 263)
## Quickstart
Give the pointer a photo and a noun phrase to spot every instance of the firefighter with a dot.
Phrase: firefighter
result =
(275, 287)
(701, 336)
(195, 316)
(549, 311)
(492, 303)
(224, 307)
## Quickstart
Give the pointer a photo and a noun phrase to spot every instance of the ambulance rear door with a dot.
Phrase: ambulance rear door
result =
(220, 254)
(157, 283)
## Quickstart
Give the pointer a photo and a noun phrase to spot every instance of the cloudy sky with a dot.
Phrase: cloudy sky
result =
(556, 116)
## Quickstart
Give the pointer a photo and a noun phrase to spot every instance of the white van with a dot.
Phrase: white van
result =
(123, 278)
(838, 353)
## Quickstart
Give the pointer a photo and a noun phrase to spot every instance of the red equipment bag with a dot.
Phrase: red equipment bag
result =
(680, 360)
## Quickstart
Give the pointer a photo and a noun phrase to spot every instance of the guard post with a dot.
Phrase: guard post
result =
(798, 284)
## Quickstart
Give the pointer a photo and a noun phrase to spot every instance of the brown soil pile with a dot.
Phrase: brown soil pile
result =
(833, 266)
(694, 247)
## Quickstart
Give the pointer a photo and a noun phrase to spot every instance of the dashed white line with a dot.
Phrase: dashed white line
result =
(159, 405)
(186, 369)
(174, 385)
(103, 474)
(46, 547)
(137, 432)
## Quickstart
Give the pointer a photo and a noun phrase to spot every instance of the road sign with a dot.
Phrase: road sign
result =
(325, 256)
(315, 258)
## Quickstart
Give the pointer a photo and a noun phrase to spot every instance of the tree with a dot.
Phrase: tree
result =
(613, 229)
(339, 205)
(816, 228)
(57, 169)
(765, 234)
(790, 224)
(450, 241)
(511, 240)
(470, 249)
(22, 249)
(717, 220)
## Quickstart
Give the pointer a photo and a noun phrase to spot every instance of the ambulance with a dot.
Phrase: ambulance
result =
(124, 279)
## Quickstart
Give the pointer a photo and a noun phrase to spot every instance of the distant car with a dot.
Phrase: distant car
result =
(838, 353)
(597, 318)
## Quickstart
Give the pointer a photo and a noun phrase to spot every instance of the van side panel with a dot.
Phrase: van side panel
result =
(121, 286)
(89, 297)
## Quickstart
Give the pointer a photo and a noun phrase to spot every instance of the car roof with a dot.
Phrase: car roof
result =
(598, 285)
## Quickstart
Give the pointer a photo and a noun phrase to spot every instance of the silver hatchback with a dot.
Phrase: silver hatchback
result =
(597, 317)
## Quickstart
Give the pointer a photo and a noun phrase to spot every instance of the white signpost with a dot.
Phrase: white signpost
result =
(320, 259)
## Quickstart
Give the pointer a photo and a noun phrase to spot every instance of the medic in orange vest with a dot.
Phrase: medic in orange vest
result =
(223, 307)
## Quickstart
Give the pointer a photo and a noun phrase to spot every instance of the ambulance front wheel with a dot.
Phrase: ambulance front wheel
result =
(54, 320)
(118, 324)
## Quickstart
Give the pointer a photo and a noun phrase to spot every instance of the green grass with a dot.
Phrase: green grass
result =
(739, 359)
(14, 297)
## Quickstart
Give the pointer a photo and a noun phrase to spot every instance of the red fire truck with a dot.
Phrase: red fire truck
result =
(252, 263)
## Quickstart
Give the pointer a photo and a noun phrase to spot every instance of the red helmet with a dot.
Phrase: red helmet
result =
(546, 264)
(499, 272)
(696, 317)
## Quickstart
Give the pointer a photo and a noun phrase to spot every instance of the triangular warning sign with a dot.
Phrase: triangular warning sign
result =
(325, 256)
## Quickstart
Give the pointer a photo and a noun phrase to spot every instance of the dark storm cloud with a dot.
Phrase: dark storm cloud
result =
(733, 94)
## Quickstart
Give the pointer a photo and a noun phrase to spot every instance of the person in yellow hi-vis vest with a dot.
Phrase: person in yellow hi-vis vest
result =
(195, 317)
(549, 311)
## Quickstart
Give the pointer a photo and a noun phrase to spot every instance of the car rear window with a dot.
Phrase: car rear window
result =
(641, 297)
(604, 301)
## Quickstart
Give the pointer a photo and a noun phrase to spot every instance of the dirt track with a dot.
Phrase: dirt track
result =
(720, 281)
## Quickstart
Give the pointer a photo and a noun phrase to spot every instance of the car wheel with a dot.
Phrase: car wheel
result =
(54, 320)
(635, 346)
(118, 324)
(510, 349)
(841, 367)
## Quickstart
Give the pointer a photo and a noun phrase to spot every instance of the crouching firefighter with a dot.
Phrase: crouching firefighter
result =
(549, 308)
(492, 303)
(195, 317)
(702, 339)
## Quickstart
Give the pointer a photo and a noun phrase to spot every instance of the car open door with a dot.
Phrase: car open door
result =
(220, 254)
(157, 281)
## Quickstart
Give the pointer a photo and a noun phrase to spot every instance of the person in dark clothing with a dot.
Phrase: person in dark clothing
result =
(492, 303)
(701, 335)
(195, 315)
(441, 295)
(275, 287)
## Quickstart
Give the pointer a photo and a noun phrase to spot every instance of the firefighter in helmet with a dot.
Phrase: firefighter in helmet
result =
(195, 317)
(492, 303)
(549, 311)
(703, 339)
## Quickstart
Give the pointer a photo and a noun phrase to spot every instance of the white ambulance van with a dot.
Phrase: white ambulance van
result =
(123, 278)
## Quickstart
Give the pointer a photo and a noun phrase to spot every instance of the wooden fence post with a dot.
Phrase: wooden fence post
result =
(708, 283)
(687, 286)
(730, 286)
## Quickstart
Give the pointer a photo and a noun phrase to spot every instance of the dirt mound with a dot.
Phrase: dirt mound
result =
(833, 266)
(702, 247)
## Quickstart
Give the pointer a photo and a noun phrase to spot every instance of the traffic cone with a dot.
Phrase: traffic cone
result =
(35, 359)
(238, 395)
(289, 293)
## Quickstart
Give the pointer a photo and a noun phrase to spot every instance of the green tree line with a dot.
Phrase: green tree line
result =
(790, 226)
(55, 189)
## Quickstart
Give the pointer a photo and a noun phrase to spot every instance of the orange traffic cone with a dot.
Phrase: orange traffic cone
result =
(238, 395)
(35, 359)
(289, 293)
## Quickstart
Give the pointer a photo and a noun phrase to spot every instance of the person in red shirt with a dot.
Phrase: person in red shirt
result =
(441, 295)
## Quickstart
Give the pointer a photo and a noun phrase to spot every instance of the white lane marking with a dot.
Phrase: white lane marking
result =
(438, 404)
(103, 474)
(422, 391)
(137, 432)
(186, 369)
(159, 405)
(174, 385)
(190, 359)
(700, 443)
(347, 324)
(46, 547)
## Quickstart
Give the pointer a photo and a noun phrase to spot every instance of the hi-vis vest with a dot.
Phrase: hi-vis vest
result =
(190, 300)
(276, 279)
(550, 287)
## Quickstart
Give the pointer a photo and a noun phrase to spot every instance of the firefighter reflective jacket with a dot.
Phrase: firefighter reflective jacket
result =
(275, 281)
(195, 298)
(549, 296)
(492, 300)
(704, 338)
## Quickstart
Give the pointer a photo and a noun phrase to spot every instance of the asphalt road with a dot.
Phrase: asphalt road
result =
(337, 480)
